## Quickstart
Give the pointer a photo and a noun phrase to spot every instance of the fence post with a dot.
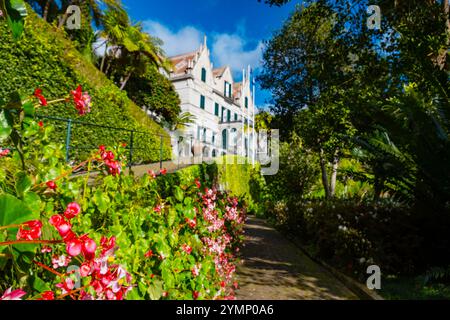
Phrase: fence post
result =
(131, 149)
(68, 134)
(161, 152)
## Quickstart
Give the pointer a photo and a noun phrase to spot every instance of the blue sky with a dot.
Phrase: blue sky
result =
(235, 29)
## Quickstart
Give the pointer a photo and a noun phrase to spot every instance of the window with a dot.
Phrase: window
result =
(229, 90)
(203, 74)
(228, 116)
(235, 117)
(204, 134)
(222, 115)
(213, 139)
(202, 102)
(225, 89)
(216, 110)
(246, 102)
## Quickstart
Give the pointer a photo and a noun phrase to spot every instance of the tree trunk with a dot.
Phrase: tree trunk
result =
(323, 167)
(46, 9)
(104, 58)
(124, 82)
(334, 170)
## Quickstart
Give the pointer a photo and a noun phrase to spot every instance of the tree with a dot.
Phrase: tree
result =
(306, 67)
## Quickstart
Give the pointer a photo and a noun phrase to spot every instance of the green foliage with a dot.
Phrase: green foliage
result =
(164, 239)
(155, 93)
(43, 58)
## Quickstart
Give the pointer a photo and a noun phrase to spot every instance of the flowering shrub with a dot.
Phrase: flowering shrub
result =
(112, 236)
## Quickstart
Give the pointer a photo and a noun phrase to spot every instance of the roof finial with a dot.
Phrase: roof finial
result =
(204, 40)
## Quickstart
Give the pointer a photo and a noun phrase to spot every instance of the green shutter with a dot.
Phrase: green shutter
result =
(203, 74)
(216, 110)
(229, 90)
(202, 102)
(223, 111)
(228, 116)
(246, 102)
(235, 117)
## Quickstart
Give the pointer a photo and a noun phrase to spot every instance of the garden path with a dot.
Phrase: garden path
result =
(273, 268)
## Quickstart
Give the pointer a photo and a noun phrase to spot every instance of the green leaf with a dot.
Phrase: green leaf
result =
(40, 285)
(6, 124)
(29, 109)
(16, 12)
(14, 211)
(168, 278)
(178, 193)
(23, 183)
(171, 217)
(101, 199)
(155, 290)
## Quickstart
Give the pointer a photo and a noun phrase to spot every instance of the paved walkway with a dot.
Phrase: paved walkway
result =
(275, 269)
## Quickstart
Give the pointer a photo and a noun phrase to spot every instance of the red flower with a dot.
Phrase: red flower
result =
(85, 269)
(64, 228)
(197, 183)
(41, 124)
(191, 222)
(72, 210)
(88, 247)
(186, 248)
(81, 100)
(163, 171)
(107, 245)
(195, 294)
(30, 230)
(74, 247)
(47, 295)
(51, 185)
(148, 254)
(38, 94)
(46, 249)
(13, 295)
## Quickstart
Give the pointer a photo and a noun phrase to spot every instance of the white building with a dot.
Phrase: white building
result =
(222, 108)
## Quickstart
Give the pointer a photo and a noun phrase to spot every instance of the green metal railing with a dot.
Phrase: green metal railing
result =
(133, 138)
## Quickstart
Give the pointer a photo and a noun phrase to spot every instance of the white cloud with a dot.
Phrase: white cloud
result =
(230, 49)
(184, 40)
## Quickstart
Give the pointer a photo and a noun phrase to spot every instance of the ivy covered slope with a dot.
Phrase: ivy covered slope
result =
(44, 58)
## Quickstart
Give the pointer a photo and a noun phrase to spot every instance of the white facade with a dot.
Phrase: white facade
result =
(221, 107)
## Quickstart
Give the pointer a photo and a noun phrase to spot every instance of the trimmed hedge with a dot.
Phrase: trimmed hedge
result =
(45, 58)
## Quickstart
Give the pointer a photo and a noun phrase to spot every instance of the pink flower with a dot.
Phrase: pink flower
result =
(196, 270)
(191, 222)
(30, 230)
(38, 94)
(186, 248)
(197, 183)
(66, 286)
(13, 295)
(108, 245)
(157, 209)
(72, 210)
(4, 152)
(82, 101)
(61, 225)
(88, 247)
(74, 247)
(46, 249)
(85, 269)
(163, 171)
(51, 185)
(152, 173)
(61, 261)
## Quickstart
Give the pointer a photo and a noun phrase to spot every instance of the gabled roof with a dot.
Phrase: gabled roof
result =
(219, 71)
(181, 62)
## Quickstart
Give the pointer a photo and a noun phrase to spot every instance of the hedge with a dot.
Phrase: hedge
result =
(44, 58)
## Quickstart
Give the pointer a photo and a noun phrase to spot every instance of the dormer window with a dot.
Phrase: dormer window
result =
(227, 89)
(203, 74)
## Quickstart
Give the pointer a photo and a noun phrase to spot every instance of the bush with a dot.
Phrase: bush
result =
(170, 237)
(44, 58)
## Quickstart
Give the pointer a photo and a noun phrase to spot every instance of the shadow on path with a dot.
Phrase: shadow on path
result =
(275, 269)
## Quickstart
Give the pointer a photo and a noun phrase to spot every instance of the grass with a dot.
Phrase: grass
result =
(412, 288)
